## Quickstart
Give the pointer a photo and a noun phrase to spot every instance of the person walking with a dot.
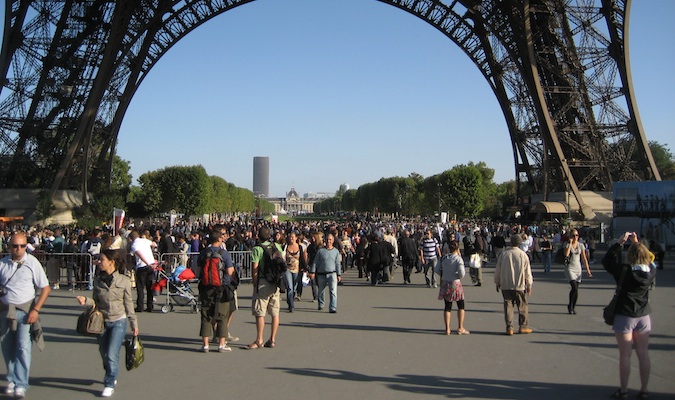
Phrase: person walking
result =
(547, 252)
(513, 276)
(429, 251)
(575, 253)
(452, 271)
(296, 259)
(408, 253)
(112, 295)
(632, 323)
(327, 269)
(21, 274)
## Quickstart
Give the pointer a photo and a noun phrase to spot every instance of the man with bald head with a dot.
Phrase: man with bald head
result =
(21, 275)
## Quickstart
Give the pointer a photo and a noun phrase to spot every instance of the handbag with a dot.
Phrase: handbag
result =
(91, 322)
(609, 312)
(475, 261)
(135, 355)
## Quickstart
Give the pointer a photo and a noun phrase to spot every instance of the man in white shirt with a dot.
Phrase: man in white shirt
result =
(141, 248)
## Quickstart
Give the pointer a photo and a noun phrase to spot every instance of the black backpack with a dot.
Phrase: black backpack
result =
(273, 265)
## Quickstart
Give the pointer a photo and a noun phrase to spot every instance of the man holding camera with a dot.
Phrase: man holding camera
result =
(21, 275)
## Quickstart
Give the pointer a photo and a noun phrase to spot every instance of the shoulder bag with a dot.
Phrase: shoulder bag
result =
(609, 312)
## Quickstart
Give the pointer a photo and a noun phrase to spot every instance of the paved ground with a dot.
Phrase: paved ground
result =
(385, 342)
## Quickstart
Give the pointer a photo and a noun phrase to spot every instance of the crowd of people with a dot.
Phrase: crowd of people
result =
(314, 257)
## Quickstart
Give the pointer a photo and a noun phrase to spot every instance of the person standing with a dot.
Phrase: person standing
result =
(513, 276)
(22, 275)
(478, 248)
(452, 271)
(327, 269)
(214, 308)
(429, 251)
(393, 254)
(112, 295)
(632, 323)
(575, 251)
(141, 248)
(265, 299)
(408, 253)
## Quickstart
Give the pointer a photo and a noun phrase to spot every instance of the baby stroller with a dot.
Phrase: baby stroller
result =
(178, 289)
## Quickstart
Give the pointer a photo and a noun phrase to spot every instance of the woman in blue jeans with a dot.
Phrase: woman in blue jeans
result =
(112, 295)
(296, 259)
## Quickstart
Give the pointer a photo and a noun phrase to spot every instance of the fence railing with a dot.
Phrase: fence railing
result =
(76, 270)
(241, 260)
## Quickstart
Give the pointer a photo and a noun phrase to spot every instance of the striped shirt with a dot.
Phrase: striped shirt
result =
(428, 247)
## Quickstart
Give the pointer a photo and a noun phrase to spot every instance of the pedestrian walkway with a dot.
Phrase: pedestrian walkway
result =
(385, 342)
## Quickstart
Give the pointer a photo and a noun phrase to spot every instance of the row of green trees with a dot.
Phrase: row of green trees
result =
(467, 190)
(186, 189)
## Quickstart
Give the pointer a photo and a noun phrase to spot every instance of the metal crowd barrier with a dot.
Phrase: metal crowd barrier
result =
(76, 270)
(241, 260)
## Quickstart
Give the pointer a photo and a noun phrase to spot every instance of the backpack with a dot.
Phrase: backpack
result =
(274, 265)
(211, 268)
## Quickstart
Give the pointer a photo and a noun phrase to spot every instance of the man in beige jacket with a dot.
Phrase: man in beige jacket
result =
(514, 277)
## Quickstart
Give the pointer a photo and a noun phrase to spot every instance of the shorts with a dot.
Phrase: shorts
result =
(265, 300)
(624, 324)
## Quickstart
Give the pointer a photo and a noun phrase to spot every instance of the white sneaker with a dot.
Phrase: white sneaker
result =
(10, 388)
(57, 287)
(107, 392)
(231, 338)
(19, 393)
(205, 349)
(224, 348)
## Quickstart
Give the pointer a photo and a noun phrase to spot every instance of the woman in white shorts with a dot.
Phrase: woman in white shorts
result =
(632, 323)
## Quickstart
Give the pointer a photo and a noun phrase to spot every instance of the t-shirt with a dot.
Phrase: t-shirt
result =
(29, 277)
(142, 246)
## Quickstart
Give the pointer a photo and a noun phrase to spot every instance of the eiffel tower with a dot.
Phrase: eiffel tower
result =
(559, 68)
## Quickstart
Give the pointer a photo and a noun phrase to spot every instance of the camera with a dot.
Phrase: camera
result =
(3, 290)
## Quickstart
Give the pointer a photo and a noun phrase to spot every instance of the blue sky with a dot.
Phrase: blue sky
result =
(337, 91)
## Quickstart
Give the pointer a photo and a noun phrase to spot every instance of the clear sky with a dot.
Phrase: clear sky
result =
(346, 91)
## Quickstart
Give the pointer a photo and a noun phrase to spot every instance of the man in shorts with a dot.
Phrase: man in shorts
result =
(265, 299)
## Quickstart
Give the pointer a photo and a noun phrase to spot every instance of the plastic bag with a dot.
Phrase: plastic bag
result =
(135, 355)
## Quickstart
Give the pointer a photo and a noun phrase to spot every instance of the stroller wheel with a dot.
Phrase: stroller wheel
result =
(166, 308)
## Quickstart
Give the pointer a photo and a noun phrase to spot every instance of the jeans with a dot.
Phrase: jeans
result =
(16, 349)
(429, 266)
(109, 345)
(291, 285)
(547, 261)
(331, 281)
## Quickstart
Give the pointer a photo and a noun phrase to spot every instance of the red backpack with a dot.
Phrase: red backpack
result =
(212, 268)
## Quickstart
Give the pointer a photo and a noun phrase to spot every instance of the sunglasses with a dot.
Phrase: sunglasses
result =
(16, 246)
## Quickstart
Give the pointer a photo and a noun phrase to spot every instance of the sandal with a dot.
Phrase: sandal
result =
(619, 394)
(643, 395)
(254, 346)
(463, 332)
(270, 344)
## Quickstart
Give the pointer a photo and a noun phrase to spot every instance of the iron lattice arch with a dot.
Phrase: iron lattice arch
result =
(559, 69)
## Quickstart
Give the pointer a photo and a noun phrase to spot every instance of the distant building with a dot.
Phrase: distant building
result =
(261, 176)
(293, 204)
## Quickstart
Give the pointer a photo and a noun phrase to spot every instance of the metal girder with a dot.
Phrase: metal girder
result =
(70, 69)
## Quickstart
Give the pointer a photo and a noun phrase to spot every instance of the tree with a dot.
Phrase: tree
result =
(664, 160)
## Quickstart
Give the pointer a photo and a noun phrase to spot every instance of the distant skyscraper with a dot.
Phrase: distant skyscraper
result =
(261, 176)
